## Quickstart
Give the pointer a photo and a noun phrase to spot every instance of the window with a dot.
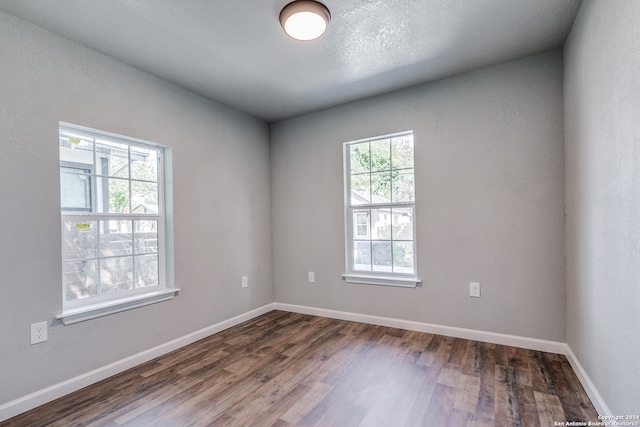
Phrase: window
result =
(379, 210)
(112, 198)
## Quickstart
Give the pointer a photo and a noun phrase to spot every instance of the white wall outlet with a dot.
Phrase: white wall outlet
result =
(245, 282)
(474, 289)
(312, 277)
(38, 332)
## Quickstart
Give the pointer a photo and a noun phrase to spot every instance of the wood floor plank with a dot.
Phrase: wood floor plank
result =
(391, 401)
(468, 395)
(588, 411)
(550, 409)
(429, 354)
(308, 400)
(440, 408)
(528, 408)
(541, 379)
(507, 405)
(501, 355)
(471, 365)
(570, 405)
(458, 350)
(286, 369)
(342, 414)
(420, 404)
(418, 341)
(140, 406)
(517, 358)
(270, 413)
(486, 400)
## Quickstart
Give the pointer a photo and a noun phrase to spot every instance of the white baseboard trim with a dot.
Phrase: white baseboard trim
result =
(589, 387)
(451, 331)
(33, 400)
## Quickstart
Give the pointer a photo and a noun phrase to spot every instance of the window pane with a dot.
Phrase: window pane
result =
(381, 187)
(381, 224)
(403, 257)
(403, 188)
(402, 223)
(360, 189)
(381, 256)
(76, 149)
(75, 189)
(359, 158)
(380, 155)
(146, 271)
(112, 158)
(144, 197)
(113, 195)
(361, 225)
(146, 237)
(402, 152)
(144, 164)
(116, 274)
(116, 238)
(362, 255)
(118, 195)
(80, 279)
(80, 239)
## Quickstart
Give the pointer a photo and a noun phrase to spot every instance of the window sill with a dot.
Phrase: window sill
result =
(402, 282)
(88, 312)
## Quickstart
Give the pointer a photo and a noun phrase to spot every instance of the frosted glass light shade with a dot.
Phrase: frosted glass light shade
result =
(305, 19)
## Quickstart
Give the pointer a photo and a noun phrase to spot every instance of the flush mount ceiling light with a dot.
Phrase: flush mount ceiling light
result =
(305, 19)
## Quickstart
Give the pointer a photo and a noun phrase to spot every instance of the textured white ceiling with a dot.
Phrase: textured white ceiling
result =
(235, 52)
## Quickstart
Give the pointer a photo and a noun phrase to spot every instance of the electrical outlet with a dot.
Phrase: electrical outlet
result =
(312, 277)
(245, 282)
(474, 289)
(38, 332)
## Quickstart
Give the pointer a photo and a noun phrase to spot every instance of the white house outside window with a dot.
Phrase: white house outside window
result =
(379, 210)
(112, 198)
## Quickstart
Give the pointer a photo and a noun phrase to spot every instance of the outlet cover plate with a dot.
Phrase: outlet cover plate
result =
(474, 289)
(38, 332)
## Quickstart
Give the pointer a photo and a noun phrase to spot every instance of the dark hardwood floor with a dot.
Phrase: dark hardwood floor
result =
(286, 369)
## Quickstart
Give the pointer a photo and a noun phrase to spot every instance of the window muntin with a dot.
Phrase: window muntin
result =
(380, 206)
(113, 225)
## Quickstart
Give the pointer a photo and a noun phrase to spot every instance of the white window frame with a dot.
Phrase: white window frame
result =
(353, 275)
(82, 309)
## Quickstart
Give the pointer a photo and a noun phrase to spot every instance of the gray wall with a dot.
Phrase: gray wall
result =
(602, 105)
(221, 194)
(490, 201)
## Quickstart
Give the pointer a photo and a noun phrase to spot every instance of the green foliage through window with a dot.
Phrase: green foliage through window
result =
(381, 171)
